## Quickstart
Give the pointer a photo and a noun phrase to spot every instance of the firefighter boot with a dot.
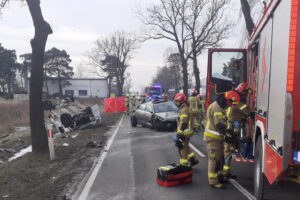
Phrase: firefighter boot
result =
(218, 186)
(193, 161)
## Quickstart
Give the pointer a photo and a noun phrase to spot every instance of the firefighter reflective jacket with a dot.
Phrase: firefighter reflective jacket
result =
(202, 105)
(183, 118)
(215, 114)
(236, 113)
(195, 104)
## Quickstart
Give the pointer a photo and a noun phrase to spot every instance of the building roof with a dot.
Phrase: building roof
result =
(68, 79)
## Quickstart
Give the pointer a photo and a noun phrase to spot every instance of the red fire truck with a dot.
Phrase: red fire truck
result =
(271, 67)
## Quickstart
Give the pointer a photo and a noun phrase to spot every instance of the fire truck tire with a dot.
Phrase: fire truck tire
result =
(258, 174)
(133, 121)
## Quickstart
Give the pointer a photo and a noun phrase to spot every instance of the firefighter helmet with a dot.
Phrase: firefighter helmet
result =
(179, 98)
(232, 97)
(194, 92)
(241, 88)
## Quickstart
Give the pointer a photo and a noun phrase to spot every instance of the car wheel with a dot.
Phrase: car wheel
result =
(66, 119)
(258, 174)
(133, 120)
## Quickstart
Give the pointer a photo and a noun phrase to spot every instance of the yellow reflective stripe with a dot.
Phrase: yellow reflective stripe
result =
(187, 132)
(183, 161)
(213, 132)
(212, 155)
(183, 116)
(236, 130)
(228, 111)
(212, 175)
(213, 136)
(191, 155)
(165, 168)
(208, 124)
(243, 107)
(218, 114)
(228, 126)
(226, 167)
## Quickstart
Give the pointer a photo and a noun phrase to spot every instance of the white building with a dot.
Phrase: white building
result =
(78, 87)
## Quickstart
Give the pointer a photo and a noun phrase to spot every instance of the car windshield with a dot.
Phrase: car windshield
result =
(165, 107)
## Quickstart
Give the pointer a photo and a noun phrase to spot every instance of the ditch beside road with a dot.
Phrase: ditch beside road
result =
(33, 177)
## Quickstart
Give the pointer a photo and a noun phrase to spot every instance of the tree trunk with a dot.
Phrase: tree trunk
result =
(185, 77)
(109, 86)
(196, 72)
(38, 43)
(247, 16)
(59, 86)
(120, 86)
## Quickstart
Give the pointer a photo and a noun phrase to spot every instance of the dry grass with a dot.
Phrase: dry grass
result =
(13, 113)
(90, 101)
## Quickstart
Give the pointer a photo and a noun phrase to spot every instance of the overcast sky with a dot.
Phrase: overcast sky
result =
(78, 23)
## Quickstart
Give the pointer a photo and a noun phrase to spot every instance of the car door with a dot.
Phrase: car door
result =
(139, 113)
(148, 114)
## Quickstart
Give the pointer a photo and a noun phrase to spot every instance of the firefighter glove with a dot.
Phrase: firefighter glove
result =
(229, 137)
(178, 141)
(236, 124)
(221, 127)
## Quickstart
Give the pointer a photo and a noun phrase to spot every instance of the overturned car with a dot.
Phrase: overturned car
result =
(70, 115)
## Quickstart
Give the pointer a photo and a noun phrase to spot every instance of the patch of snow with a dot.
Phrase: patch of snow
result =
(21, 153)
(65, 144)
(74, 136)
(21, 128)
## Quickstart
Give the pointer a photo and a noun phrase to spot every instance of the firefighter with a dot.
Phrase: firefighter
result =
(236, 114)
(143, 98)
(195, 106)
(165, 97)
(184, 133)
(202, 111)
(132, 102)
(127, 103)
(215, 133)
(243, 90)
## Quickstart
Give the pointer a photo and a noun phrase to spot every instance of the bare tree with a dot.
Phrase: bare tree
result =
(120, 45)
(38, 43)
(246, 9)
(207, 25)
(164, 20)
(127, 84)
(182, 22)
(173, 62)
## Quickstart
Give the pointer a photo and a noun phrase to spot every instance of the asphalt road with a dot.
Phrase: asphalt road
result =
(129, 171)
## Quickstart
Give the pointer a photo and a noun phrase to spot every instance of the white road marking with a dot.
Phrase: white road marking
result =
(197, 151)
(85, 192)
(242, 189)
(232, 181)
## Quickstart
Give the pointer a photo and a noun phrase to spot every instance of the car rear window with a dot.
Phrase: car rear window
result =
(165, 107)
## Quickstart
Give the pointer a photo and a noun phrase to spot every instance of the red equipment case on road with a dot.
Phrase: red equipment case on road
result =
(173, 174)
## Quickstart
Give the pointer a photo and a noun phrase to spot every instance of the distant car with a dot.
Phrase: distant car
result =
(157, 115)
